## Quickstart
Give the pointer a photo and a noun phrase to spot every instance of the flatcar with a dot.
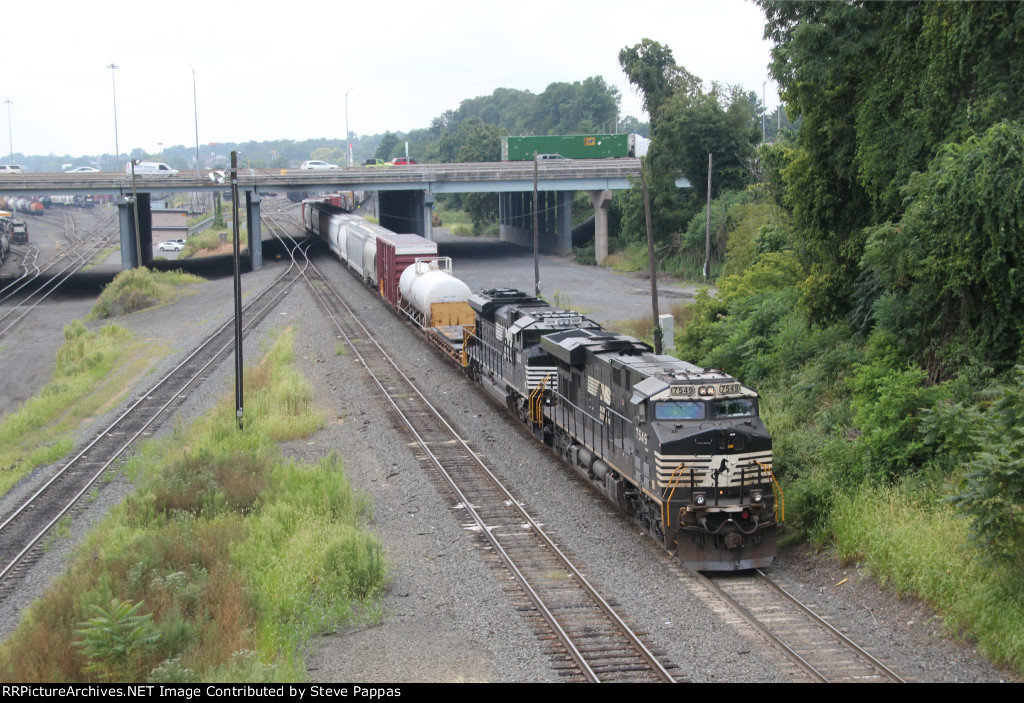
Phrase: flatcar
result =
(679, 448)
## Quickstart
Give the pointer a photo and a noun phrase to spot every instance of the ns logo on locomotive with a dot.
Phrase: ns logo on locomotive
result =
(680, 448)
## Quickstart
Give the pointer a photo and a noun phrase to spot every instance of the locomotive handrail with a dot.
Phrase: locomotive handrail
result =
(535, 398)
(666, 515)
(780, 502)
(468, 333)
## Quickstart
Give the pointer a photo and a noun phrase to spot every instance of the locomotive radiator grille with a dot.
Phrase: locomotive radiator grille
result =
(535, 376)
(741, 469)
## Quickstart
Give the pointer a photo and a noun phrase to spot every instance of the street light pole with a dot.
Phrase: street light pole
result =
(195, 112)
(9, 132)
(117, 149)
(348, 140)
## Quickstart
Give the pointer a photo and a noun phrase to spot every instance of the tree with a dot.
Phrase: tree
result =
(948, 278)
(881, 87)
(388, 144)
(651, 68)
(688, 124)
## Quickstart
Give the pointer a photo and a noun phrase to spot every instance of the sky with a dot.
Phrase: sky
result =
(282, 70)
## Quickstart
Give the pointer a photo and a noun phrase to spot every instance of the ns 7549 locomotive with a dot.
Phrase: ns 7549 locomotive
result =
(680, 448)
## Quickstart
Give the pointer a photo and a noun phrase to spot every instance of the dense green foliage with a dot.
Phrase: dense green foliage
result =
(881, 88)
(947, 279)
(871, 290)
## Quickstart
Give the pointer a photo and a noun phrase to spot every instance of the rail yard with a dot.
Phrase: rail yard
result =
(449, 586)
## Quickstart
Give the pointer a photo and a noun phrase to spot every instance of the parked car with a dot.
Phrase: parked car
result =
(9, 168)
(316, 165)
(83, 169)
(402, 161)
(171, 245)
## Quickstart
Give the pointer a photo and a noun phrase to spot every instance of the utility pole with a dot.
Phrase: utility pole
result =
(650, 256)
(764, 133)
(536, 234)
(238, 291)
(707, 236)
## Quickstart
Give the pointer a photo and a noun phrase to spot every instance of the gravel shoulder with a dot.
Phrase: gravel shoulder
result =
(449, 616)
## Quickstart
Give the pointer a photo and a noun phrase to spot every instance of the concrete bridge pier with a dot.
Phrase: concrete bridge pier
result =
(131, 257)
(554, 219)
(600, 199)
(407, 212)
(252, 218)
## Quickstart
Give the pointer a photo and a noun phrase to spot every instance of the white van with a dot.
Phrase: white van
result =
(9, 168)
(151, 168)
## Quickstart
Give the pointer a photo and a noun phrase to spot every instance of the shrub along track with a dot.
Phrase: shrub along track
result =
(23, 529)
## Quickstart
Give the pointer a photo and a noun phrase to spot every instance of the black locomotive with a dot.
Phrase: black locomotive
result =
(680, 448)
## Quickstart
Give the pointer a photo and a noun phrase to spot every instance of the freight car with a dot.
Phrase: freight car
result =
(576, 146)
(679, 448)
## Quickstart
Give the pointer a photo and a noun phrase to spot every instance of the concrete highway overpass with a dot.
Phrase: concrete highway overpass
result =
(406, 194)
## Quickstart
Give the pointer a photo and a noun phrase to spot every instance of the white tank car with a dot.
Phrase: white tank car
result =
(430, 281)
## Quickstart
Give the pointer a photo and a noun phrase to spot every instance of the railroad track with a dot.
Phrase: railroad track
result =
(815, 650)
(590, 639)
(23, 530)
(78, 253)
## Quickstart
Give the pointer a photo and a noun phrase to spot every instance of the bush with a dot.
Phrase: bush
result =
(887, 408)
(992, 492)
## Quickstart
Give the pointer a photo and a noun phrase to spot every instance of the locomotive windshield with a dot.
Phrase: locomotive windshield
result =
(679, 410)
(698, 410)
(734, 407)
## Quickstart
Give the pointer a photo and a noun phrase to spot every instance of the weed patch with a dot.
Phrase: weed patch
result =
(221, 565)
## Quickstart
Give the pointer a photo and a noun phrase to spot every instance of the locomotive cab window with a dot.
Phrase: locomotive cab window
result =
(734, 407)
(679, 410)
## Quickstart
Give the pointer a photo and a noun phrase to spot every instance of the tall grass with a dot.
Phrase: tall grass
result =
(915, 543)
(234, 555)
(90, 373)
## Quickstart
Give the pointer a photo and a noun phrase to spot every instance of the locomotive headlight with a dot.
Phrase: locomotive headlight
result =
(699, 499)
(756, 496)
